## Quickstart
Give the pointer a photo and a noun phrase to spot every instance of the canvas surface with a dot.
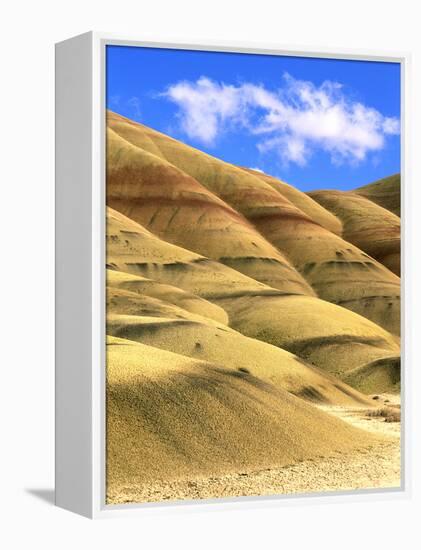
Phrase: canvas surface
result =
(253, 275)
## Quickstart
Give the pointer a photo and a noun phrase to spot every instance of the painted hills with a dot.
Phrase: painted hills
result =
(236, 305)
(385, 192)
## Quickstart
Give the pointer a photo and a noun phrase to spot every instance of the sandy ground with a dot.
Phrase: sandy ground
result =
(375, 467)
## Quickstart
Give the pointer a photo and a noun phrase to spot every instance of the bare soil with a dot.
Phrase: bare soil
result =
(378, 466)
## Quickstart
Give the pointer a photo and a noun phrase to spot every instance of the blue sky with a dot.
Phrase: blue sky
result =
(315, 123)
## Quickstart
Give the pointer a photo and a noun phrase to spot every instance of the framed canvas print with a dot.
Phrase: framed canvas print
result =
(229, 261)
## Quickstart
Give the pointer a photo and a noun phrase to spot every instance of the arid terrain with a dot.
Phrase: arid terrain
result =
(253, 330)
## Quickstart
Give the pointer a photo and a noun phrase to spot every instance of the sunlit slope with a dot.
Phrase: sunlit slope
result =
(170, 417)
(223, 346)
(303, 202)
(168, 294)
(177, 208)
(245, 191)
(133, 249)
(366, 224)
(385, 192)
(132, 303)
(325, 335)
(338, 271)
(381, 376)
(331, 337)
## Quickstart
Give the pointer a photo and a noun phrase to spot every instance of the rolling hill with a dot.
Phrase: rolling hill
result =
(369, 226)
(280, 237)
(170, 295)
(174, 206)
(171, 417)
(200, 339)
(240, 313)
(385, 192)
(326, 335)
(303, 202)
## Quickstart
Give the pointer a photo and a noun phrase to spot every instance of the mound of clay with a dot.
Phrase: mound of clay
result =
(243, 219)
(381, 376)
(367, 225)
(328, 336)
(170, 417)
(385, 192)
(226, 347)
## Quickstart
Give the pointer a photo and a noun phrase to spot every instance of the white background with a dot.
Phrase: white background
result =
(28, 32)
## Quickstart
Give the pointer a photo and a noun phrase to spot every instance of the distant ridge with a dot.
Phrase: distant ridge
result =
(251, 222)
(386, 192)
(177, 208)
(369, 226)
(326, 335)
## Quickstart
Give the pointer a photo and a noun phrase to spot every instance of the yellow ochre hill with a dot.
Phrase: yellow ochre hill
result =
(369, 226)
(170, 417)
(248, 221)
(177, 208)
(327, 336)
(385, 192)
(252, 329)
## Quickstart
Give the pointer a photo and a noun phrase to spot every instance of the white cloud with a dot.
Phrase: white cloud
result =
(204, 107)
(293, 121)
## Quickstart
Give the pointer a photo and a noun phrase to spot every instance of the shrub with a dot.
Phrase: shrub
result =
(388, 413)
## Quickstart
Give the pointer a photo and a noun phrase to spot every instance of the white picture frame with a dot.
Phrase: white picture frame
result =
(80, 276)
